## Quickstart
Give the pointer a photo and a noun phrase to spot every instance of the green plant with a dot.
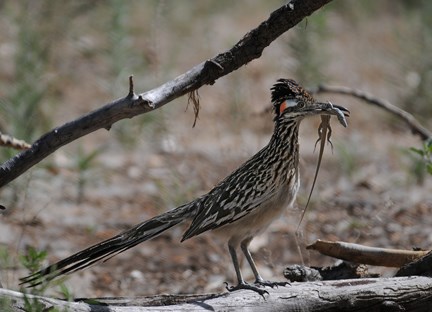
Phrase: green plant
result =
(422, 161)
(65, 292)
(32, 261)
(6, 304)
(32, 304)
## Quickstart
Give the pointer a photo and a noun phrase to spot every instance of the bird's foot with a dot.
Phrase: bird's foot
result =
(243, 285)
(264, 283)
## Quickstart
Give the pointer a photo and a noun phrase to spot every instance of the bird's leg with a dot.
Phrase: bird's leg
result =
(244, 247)
(235, 261)
(241, 283)
(258, 279)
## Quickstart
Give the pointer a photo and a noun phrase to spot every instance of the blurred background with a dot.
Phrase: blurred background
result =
(60, 60)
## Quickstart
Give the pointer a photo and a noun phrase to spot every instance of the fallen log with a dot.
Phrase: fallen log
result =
(371, 294)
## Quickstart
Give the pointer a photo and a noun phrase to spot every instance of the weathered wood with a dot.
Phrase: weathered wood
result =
(383, 294)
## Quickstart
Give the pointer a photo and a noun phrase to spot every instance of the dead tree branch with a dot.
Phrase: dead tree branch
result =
(247, 49)
(409, 119)
(384, 294)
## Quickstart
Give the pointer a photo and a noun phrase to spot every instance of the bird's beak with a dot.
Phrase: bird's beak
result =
(328, 108)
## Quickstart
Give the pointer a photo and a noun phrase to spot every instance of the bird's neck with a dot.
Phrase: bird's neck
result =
(284, 143)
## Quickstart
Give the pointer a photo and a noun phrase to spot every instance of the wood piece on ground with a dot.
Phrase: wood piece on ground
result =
(366, 255)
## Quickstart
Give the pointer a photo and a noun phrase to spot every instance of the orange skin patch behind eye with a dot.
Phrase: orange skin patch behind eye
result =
(282, 107)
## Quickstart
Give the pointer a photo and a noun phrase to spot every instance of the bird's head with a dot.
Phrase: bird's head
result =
(292, 102)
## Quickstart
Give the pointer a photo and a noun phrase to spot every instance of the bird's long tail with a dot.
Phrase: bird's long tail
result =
(112, 246)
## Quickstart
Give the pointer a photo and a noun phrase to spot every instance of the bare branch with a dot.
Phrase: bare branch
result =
(409, 119)
(247, 49)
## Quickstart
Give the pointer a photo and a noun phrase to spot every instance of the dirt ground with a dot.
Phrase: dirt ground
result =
(367, 191)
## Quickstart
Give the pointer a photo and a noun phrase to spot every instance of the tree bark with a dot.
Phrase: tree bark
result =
(384, 294)
(247, 49)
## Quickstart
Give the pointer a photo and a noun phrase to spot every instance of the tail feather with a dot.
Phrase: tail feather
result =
(112, 246)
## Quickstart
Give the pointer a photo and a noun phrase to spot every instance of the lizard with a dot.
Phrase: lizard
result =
(324, 135)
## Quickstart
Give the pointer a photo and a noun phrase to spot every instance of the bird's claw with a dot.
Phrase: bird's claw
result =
(270, 283)
(246, 286)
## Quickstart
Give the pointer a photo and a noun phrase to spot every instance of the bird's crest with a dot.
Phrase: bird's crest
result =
(287, 93)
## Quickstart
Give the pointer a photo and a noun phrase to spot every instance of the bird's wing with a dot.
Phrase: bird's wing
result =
(234, 198)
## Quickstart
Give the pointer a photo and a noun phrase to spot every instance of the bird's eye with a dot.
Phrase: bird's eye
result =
(301, 104)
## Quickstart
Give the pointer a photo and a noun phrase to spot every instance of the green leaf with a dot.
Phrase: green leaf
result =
(429, 168)
(417, 151)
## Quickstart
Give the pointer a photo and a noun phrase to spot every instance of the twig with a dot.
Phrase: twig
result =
(8, 141)
(247, 49)
(131, 87)
(409, 119)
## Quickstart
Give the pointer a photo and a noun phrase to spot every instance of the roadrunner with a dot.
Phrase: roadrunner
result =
(238, 208)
